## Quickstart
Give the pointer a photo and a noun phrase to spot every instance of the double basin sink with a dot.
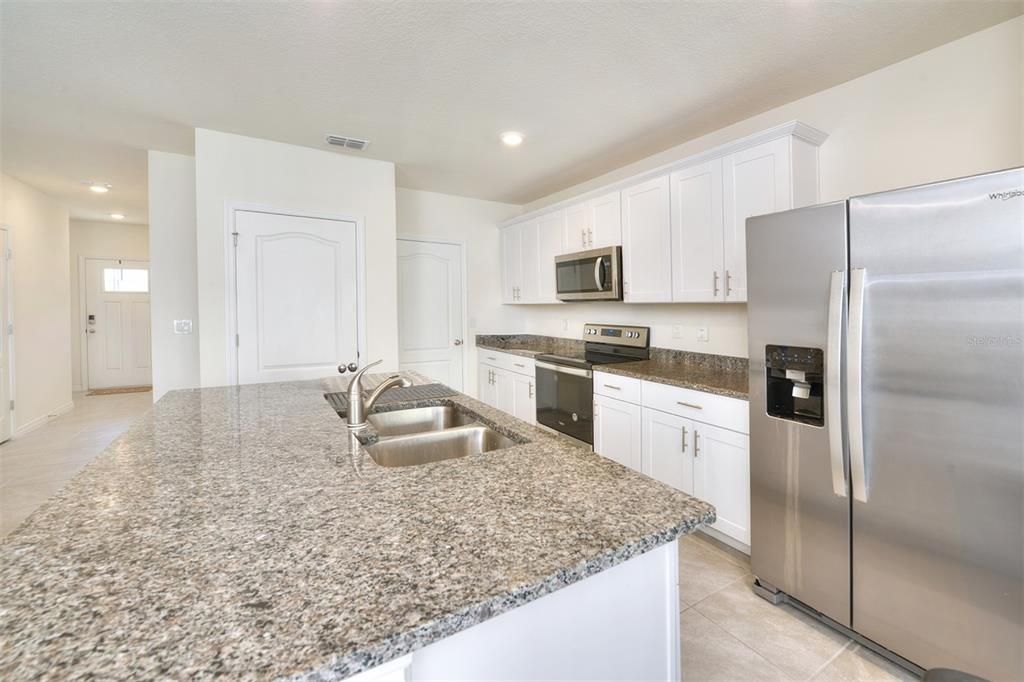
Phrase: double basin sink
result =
(423, 435)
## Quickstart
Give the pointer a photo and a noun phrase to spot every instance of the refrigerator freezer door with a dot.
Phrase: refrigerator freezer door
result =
(938, 534)
(800, 528)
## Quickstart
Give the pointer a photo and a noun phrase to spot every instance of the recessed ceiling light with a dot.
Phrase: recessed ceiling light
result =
(117, 216)
(511, 138)
(98, 187)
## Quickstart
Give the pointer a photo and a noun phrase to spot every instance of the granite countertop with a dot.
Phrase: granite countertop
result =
(718, 374)
(243, 532)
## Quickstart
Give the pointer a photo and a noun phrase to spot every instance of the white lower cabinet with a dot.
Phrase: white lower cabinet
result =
(709, 461)
(510, 390)
(617, 431)
(667, 446)
(721, 475)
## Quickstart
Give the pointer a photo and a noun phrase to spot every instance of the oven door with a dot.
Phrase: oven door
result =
(565, 400)
(589, 275)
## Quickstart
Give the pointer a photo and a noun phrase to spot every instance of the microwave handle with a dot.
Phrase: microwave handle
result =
(599, 274)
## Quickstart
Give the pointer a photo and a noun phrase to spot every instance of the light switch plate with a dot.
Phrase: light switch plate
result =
(702, 334)
(183, 326)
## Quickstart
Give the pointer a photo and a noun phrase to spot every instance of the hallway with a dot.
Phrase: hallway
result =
(36, 465)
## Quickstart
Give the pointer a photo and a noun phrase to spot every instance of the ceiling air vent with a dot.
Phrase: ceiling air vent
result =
(348, 142)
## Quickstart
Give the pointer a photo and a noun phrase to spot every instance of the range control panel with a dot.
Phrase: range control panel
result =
(637, 337)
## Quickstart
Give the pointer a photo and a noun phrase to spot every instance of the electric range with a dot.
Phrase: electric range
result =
(565, 383)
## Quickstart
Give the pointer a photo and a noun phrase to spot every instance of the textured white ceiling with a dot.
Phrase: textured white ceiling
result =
(89, 86)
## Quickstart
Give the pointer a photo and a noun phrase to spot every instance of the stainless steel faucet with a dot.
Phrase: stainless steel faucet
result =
(357, 408)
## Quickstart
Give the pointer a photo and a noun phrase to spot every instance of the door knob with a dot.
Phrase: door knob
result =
(458, 342)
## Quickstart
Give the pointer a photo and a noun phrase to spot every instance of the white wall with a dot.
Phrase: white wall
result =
(41, 302)
(172, 271)
(474, 223)
(952, 111)
(90, 239)
(232, 168)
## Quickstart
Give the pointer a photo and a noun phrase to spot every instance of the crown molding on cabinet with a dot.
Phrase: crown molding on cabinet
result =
(794, 128)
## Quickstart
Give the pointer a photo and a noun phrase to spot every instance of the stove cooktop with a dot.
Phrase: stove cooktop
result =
(605, 345)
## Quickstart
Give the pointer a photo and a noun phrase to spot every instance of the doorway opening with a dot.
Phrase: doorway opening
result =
(431, 309)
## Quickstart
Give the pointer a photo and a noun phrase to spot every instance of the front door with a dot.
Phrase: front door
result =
(117, 323)
(296, 283)
(430, 310)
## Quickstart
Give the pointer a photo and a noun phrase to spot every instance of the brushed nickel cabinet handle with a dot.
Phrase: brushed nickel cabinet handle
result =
(684, 439)
(714, 284)
(696, 407)
(531, 389)
(696, 444)
(728, 283)
(614, 388)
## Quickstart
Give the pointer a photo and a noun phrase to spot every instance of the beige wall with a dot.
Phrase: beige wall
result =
(172, 271)
(474, 224)
(97, 240)
(232, 168)
(952, 111)
(41, 303)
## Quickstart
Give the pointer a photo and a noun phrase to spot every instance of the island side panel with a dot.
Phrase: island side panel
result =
(620, 624)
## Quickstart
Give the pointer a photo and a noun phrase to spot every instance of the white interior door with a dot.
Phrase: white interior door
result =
(430, 311)
(117, 327)
(296, 296)
(5, 341)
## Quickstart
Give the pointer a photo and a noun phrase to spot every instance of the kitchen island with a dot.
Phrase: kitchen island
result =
(244, 532)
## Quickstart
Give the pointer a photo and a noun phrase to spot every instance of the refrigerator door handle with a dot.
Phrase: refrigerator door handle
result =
(854, 415)
(833, 381)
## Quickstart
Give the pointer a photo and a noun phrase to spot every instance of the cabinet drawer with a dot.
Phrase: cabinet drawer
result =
(618, 387)
(513, 363)
(717, 410)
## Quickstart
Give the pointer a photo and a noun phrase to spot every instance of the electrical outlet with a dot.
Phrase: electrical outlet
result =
(702, 334)
(565, 325)
(183, 326)
(677, 331)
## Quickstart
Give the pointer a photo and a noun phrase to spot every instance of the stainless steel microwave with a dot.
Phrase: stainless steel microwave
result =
(594, 275)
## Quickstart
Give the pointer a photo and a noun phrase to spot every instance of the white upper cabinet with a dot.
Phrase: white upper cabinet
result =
(511, 262)
(697, 234)
(550, 229)
(646, 242)
(683, 233)
(575, 236)
(528, 259)
(755, 181)
(529, 285)
(605, 221)
(593, 223)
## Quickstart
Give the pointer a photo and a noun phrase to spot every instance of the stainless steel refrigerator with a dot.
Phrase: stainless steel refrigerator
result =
(886, 341)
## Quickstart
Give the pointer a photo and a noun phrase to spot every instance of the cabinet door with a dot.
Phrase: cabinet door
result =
(605, 228)
(550, 230)
(697, 233)
(577, 222)
(647, 242)
(755, 181)
(524, 398)
(485, 385)
(504, 397)
(617, 431)
(512, 262)
(667, 449)
(529, 270)
(721, 473)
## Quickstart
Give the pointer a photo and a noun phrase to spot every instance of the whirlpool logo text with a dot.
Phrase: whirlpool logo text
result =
(1008, 194)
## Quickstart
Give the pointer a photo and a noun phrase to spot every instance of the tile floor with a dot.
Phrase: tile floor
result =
(730, 634)
(36, 465)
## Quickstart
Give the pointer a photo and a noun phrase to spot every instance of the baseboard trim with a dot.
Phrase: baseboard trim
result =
(41, 420)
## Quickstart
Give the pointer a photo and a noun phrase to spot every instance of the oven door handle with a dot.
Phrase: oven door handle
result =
(599, 273)
(562, 369)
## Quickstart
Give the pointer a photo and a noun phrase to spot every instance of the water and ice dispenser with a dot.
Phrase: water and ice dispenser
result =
(795, 379)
